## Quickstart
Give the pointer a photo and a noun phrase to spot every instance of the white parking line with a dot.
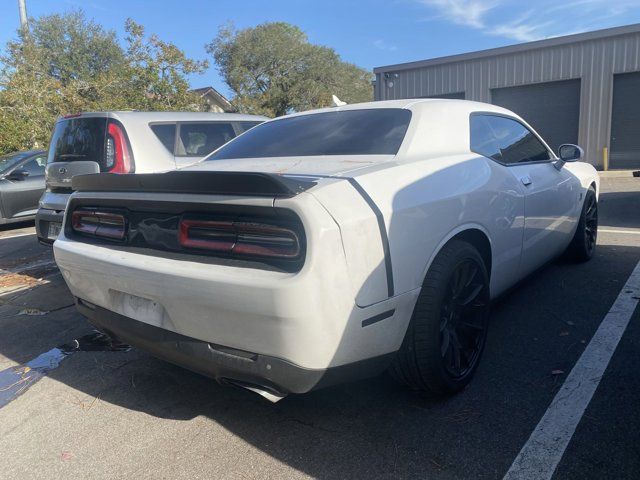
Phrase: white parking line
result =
(617, 230)
(541, 454)
(18, 235)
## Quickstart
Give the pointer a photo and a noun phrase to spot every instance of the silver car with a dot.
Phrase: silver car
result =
(127, 142)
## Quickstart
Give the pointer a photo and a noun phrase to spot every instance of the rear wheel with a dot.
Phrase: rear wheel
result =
(583, 244)
(446, 336)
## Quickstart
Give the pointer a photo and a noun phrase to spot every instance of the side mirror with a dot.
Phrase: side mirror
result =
(17, 174)
(569, 153)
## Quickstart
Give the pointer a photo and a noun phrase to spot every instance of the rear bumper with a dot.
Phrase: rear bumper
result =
(44, 217)
(225, 364)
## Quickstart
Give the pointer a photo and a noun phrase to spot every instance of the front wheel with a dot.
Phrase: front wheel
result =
(583, 244)
(446, 336)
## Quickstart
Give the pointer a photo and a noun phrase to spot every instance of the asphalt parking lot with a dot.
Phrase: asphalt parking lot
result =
(123, 413)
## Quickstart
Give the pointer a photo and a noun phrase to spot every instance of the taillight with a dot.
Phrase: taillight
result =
(239, 238)
(99, 224)
(118, 157)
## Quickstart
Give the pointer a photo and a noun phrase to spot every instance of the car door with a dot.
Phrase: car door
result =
(551, 195)
(23, 187)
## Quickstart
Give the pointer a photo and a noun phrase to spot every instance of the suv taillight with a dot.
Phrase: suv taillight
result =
(118, 156)
(99, 224)
(239, 238)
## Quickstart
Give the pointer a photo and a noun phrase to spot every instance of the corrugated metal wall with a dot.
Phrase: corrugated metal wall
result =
(593, 61)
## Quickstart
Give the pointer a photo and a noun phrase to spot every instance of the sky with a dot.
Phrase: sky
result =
(368, 33)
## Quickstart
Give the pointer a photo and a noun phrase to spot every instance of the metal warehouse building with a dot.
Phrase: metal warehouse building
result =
(582, 88)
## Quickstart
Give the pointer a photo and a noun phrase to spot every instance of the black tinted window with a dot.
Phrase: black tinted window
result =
(10, 160)
(515, 143)
(166, 133)
(35, 167)
(200, 139)
(483, 140)
(78, 139)
(350, 132)
(244, 126)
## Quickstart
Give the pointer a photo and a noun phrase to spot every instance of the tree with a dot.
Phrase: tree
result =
(273, 70)
(155, 74)
(68, 64)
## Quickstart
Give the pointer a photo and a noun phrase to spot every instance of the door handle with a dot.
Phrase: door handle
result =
(526, 180)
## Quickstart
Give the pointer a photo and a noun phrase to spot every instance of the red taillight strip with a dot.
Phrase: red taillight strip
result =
(122, 160)
(99, 224)
(240, 238)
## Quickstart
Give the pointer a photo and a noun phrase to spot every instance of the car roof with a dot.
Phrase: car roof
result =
(171, 116)
(416, 104)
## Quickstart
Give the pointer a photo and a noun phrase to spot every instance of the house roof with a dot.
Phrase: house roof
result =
(520, 47)
(221, 99)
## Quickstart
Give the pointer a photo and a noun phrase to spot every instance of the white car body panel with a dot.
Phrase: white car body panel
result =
(434, 189)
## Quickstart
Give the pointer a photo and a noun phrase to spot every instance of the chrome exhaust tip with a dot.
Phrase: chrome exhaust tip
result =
(270, 395)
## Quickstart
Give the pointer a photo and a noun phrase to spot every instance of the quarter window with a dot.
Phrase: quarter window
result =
(505, 140)
(166, 133)
(200, 139)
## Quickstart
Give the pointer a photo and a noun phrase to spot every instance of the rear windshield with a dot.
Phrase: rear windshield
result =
(378, 131)
(78, 139)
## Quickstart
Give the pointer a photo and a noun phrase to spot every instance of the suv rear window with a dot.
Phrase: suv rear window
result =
(78, 139)
(200, 139)
(378, 131)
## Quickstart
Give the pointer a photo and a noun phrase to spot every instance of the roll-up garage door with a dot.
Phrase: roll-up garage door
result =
(552, 109)
(625, 122)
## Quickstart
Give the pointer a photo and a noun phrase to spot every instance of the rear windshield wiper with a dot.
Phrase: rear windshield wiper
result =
(72, 155)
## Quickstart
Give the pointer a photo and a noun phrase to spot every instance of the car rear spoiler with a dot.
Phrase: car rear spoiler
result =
(199, 182)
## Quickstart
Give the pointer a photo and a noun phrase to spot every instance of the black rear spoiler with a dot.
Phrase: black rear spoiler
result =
(200, 182)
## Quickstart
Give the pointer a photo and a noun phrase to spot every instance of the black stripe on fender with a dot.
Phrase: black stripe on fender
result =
(383, 232)
(376, 318)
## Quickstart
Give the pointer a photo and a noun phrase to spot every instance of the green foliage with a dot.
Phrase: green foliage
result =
(156, 73)
(273, 70)
(70, 64)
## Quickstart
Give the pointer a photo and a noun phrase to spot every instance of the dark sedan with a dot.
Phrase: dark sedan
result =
(21, 184)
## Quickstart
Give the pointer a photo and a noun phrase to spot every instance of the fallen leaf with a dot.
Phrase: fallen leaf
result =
(557, 372)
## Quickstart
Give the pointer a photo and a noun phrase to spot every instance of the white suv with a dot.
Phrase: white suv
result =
(127, 142)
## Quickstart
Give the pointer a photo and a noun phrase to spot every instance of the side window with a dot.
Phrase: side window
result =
(483, 140)
(36, 166)
(244, 126)
(200, 139)
(517, 143)
(166, 133)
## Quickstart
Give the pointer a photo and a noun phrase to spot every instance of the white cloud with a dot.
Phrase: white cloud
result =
(534, 19)
(462, 12)
(382, 45)
(523, 28)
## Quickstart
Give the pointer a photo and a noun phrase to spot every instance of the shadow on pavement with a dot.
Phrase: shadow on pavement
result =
(616, 207)
(373, 427)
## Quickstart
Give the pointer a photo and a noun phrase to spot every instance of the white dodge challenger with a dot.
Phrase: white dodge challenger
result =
(330, 245)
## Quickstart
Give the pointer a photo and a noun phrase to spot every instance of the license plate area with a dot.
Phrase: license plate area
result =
(54, 230)
(138, 308)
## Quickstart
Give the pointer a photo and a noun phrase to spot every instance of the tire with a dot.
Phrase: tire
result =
(426, 359)
(583, 244)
